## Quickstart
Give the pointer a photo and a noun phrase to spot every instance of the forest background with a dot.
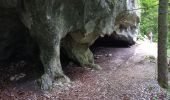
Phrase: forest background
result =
(149, 20)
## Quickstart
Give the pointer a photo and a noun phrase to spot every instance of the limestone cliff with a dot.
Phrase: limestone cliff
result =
(73, 25)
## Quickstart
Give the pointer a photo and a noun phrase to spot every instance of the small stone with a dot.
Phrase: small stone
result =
(99, 55)
(47, 96)
(96, 57)
(110, 55)
(12, 78)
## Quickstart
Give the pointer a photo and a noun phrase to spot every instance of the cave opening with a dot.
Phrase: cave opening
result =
(109, 41)
(30, 63)
(105, 42)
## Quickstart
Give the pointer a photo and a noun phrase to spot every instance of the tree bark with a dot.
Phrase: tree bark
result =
(162, 44)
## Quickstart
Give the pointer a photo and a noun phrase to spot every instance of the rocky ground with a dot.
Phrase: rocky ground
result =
(127, 74)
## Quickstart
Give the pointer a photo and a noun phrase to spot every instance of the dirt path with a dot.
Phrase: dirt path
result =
(127, 74)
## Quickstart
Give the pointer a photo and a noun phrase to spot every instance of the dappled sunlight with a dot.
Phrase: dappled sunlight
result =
(146, 48)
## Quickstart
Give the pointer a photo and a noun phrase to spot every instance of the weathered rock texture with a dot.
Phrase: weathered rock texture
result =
(127, 23)
(73, 25)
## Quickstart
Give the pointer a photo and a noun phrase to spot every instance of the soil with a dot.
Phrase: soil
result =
(127, 74)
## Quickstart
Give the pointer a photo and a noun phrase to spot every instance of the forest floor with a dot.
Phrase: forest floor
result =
(127, 74)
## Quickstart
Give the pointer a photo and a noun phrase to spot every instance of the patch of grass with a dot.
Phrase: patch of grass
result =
(151, 59)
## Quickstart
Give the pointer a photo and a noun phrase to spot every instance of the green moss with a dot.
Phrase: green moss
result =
(150, 58)
(163, 85)
(76, 47)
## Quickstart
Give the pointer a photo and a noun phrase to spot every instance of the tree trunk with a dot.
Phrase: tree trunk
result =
(162, 44)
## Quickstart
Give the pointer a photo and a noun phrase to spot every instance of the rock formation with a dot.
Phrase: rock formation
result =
(127, 23)
(73, 25)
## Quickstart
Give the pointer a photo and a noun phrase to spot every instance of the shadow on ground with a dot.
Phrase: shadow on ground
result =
(128, 74)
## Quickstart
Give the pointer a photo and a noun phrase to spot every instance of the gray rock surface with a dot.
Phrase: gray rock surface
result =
(127, 23)
(73, 25)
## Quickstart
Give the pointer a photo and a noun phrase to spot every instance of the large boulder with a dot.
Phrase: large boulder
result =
(73, 25)
(127, 23)
(126, 27)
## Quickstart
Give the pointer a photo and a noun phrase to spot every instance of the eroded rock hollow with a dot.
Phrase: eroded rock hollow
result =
(72, 25)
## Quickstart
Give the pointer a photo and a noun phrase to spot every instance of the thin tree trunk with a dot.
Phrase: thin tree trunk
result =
(162, 44)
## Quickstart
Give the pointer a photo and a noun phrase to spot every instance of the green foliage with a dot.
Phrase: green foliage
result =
(149, 17)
